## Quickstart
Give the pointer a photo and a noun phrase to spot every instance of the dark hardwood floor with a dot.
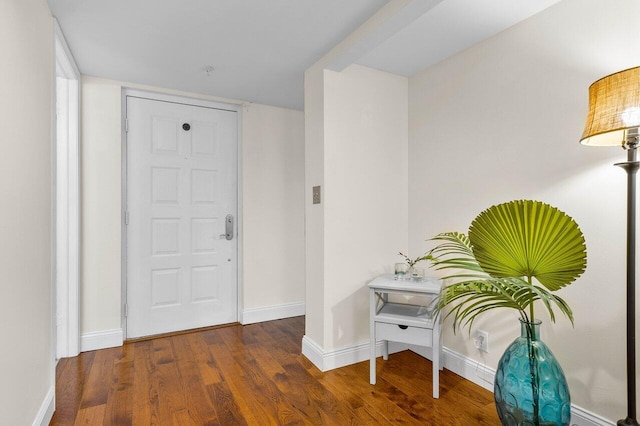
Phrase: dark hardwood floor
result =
(255, 375)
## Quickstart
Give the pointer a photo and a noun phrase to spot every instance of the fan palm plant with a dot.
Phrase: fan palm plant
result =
(507, 247)
(494, 266)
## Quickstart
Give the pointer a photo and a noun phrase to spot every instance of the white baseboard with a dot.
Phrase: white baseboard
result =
(113, 338)
(342, 357)
(313, 352)
(582, 417)
(45, 413)
(270, 313)
(471, 370)
(461, 365)
(101, 340)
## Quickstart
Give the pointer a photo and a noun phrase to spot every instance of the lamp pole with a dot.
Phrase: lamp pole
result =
(631, 167)
(613, 119)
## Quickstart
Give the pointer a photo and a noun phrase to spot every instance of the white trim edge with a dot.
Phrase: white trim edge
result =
(72, 66)
(471, 370)
(101, 340)
(270, 313)
(45, 413)
(461, 365)
(582, 417)
(342, 357)
(66, 192)
(313, 352)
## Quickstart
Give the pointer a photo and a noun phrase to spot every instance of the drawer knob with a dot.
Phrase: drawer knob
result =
(404, 327)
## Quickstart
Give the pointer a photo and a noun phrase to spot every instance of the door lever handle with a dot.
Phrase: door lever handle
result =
(228, 228)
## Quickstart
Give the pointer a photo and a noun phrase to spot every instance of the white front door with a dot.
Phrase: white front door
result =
(181, 201)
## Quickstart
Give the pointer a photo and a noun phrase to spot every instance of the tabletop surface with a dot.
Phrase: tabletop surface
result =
(388, 282)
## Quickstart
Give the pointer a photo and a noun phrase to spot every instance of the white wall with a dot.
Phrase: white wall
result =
(362, 221)
(272, 187)
(365, 163)
(325, 129)
(501, 121)
(101, 206)
(26, 363)
(314, 213)
(273, 206)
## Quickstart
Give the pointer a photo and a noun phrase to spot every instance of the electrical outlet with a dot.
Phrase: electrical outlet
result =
(482, 341)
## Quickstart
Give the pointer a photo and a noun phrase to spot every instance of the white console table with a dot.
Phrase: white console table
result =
(402, 322)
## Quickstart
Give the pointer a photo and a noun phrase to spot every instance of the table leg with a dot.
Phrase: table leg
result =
(385, 343)
(372, 337)
(436, 346)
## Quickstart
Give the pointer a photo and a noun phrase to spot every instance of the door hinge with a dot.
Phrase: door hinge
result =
(126, 218)
(126, 125)
(126, 310)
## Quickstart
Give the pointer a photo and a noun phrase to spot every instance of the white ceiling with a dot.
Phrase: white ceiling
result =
(451, 26)
(260, 48)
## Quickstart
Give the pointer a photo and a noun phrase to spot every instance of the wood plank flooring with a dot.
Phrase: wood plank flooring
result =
(255, 375)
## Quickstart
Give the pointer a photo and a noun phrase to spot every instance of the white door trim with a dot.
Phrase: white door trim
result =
(126, 91)
(66, 199)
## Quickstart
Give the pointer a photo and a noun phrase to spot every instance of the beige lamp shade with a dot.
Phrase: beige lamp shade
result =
(614, 108)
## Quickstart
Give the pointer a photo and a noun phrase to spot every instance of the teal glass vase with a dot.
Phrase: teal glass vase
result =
(530, 388)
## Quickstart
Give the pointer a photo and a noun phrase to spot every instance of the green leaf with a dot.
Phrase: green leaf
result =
(468, 299)
(527, 238)
(507, 246)
(455, 253)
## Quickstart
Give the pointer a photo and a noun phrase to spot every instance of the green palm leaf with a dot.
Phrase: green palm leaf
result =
(468, 299)
(529, 239)
(507, 246)
(455, 252)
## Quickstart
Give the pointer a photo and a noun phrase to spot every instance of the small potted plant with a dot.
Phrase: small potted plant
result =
(408, 267)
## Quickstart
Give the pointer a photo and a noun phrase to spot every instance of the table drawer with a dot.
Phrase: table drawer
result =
(411, 335)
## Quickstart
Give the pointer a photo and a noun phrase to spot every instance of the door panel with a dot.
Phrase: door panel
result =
(181, 184)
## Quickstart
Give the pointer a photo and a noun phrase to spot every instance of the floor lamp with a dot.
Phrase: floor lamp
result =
(614, 120)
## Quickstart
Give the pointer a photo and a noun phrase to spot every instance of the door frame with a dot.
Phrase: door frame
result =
(67, 200)
(192, 101)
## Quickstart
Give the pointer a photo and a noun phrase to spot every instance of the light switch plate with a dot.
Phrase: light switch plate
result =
(316, 195)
